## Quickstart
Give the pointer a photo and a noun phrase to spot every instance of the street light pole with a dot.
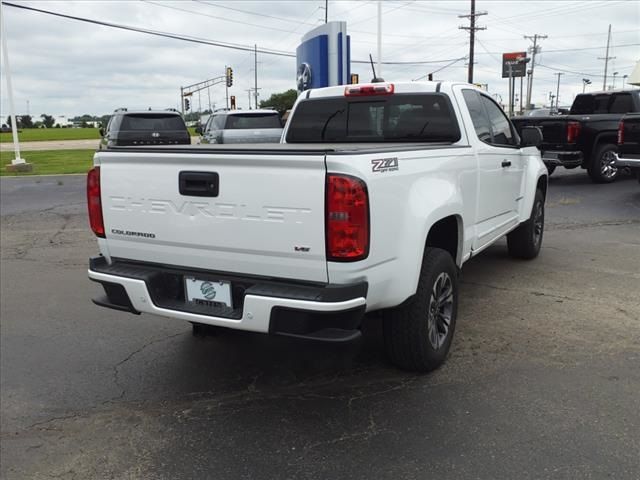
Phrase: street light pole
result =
(18, 161)
(614, 79)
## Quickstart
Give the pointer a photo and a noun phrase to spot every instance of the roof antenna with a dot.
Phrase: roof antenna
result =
(375, 79)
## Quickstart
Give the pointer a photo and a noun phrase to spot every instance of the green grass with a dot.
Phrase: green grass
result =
(51, 162)
(52, 134)
(192, 131)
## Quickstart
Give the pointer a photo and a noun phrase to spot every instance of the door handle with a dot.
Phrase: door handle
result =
(506, 163)
(199, 184)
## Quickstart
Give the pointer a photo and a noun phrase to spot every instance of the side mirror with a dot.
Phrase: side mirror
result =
(101, 132)
(531, 137)
(199, 129)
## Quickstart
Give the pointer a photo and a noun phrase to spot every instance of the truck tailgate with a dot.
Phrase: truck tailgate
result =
(554, 129)
(266, 218)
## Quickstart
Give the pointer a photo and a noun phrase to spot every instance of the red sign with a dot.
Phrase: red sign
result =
(513, 59)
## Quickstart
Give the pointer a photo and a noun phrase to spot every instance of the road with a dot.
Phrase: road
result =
(543, 379)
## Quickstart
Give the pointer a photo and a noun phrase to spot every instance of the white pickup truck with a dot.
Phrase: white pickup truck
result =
(376, 197)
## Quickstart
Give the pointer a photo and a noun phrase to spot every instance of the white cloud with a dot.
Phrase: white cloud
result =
(67, 67)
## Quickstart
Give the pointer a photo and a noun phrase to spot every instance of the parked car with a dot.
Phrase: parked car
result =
(378, 197)
(145, 127)
(587, 136)
(243, 126)
(5, 128)
(539, 112)
(629, 143)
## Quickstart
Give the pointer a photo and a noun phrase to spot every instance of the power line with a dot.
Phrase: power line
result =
(247, 12)
(224, 19)
(215, 43)
(440, 69)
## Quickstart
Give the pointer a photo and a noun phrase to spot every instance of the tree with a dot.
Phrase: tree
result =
(281, 101)
(48, 120)
(25, 121)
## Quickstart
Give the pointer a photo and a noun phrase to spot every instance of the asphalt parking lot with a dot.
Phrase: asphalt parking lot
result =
(543, 380)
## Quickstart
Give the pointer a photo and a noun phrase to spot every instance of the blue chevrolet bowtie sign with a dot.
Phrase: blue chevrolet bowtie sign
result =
(323, 57)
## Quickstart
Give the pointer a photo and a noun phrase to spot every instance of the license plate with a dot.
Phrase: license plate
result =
(210, 293)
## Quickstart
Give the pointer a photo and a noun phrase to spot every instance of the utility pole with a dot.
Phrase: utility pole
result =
(606, 59)
(534, 50)
(182, 101)
(326, 11)
(472, 33)
(558, 90)
(255, 51)
(249, 90)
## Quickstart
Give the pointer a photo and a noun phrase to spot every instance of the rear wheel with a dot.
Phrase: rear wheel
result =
(418, 333)
(602, 168)
(526, 240)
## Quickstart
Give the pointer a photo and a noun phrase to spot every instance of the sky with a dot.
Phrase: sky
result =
(65, 67)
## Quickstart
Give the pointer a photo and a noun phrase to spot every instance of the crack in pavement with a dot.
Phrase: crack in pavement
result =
(116, 367)
(526, 292)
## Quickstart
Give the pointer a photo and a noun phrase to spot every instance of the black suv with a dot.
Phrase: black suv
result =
(150, 127)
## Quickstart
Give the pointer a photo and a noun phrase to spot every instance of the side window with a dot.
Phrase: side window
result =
(111, 125)
(218, 122)
(500, 126)
(621, 103)
(478, 115)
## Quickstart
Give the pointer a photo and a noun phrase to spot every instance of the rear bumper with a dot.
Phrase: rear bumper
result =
(562, 159)
(282, 307)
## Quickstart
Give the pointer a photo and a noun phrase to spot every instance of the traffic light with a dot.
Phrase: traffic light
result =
(233, 102)
(186, 104)
(355, 78)
(229, 76)
(430, 77)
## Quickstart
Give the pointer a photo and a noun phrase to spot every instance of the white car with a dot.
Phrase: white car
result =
(243, 126)
(378, 197)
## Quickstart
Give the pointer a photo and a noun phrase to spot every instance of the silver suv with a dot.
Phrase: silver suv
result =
(243, 126)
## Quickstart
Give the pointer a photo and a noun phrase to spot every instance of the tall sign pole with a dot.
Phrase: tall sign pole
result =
(18, 160)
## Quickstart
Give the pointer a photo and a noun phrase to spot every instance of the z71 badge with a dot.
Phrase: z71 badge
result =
(384, 165)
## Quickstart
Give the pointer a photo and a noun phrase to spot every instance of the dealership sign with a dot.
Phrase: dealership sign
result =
(518, 67)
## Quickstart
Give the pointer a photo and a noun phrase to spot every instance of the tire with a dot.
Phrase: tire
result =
(551, 169)
(202, 330)
(601, 168)
(525, 241)
(414, 338)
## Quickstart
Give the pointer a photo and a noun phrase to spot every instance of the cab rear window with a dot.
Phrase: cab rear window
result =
(425, 117)
(153, 122)
(240, 121)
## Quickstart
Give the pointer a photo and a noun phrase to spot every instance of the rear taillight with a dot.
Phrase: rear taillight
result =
(94, 202)
(347, 218)
(621, 132)
(573, 130)
(369, 89)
